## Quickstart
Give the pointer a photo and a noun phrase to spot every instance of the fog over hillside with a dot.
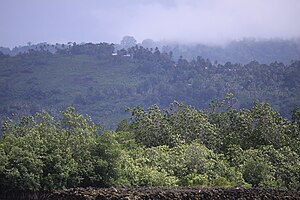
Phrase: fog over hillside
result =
(185, 21)
(243, 51)
(198, 40)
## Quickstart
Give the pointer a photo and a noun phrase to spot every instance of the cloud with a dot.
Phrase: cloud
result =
(205, 21)
(217, 21)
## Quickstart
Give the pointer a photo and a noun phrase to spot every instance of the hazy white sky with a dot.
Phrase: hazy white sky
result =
(204, 21)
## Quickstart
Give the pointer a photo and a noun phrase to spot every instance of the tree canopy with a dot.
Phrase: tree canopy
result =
(175, 146)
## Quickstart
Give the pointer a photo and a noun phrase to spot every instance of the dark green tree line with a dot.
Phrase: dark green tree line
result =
(175, 146)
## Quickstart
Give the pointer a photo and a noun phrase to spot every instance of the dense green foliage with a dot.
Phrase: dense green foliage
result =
(39, 153)
(175, 146)
(101, 82)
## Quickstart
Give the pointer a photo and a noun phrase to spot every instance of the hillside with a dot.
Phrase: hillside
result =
(101, 82)
(243, 51)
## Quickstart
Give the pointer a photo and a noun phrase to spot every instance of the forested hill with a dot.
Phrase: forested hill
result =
(244, 51)
(102, 82)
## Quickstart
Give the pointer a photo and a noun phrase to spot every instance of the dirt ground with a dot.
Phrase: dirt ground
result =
(174, 193)
(154, 193)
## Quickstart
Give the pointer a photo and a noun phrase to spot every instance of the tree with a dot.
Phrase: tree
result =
(178, 124)
(40, 153)
(266, 166)
(250, 128)
(148, 43)
(127, 42)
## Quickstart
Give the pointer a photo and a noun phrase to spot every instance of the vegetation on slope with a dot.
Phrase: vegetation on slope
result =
(101, 82)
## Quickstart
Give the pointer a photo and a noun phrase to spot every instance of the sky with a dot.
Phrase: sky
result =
(185, 21)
